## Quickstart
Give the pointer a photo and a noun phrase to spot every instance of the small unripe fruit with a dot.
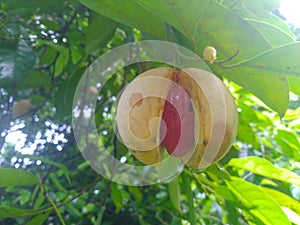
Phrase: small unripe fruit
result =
(210, 54)
(93, 90)
(22, 107)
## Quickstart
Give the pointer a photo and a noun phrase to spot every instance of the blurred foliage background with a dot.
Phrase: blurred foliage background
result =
(45, 48)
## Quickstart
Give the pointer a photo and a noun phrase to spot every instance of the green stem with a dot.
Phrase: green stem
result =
(53, 205)
(187, 184)
(56, 210)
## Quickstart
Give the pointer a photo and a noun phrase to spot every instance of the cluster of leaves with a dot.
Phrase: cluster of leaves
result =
(46, 46)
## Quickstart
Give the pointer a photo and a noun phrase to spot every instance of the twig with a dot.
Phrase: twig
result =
(53, 205)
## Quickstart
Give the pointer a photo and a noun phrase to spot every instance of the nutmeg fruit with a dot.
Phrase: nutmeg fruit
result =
(190, 113)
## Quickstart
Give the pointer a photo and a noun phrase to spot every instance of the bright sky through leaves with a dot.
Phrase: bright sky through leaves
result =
(290, 10)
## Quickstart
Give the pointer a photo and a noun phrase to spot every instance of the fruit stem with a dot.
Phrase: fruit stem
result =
(190, 199)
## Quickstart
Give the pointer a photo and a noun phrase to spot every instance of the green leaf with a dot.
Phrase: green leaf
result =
(62, 61)
(283, 199)
(73, 211)
(232, 213)
(266, 74)
(56, 182)
(88, 208)
(99, 33)
(16, 177)
(294, 83)
(246, 134)
(184, 17)
(174, 193)
(265, 168)
(224, 192)
(261, 8)
(240, 9)
(289, 142)
(255, 203)
(284, 60)
(209, 23)
(40, 199)
(136, 193)
(39, 219)
(63, 107)
(8, 212)
(262, 84)
(129, 13)
(274, 35)
(228, 33)
(190, 198)
(17, 59)
(116, 196)
(36, 79)
(57, 47)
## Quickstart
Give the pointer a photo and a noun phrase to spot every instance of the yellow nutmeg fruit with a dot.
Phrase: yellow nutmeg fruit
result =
(210, 54)
(190, 113)
(22, 107)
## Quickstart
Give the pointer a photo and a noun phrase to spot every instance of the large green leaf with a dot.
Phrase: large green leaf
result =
(229, 33)
(17, 58)
(209, 23)
(284, 60)
(261, 8)
(241, 9)
(262, 84)
(99, 32)
(265, 168)
(129, 13)
(16, 177)
(8, 212)
(179, 14)
(266, 74)
(273, 34)
(258, 207)
(283, 199)
(174, 193)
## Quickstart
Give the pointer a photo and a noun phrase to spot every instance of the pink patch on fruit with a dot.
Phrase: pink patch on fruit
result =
(179, 122)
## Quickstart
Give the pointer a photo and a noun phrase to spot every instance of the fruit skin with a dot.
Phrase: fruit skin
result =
(210, 54)
(22, 107)
(215, 116)
(139, 121)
